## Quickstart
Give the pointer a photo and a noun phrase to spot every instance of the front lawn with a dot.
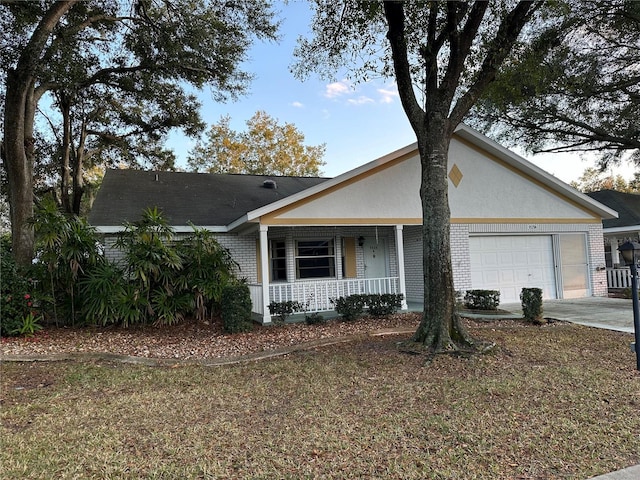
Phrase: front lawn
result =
(561, 401)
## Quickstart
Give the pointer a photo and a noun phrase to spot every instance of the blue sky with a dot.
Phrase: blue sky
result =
(357, 122)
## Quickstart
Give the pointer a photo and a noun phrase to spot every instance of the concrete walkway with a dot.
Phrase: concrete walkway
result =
(631, 473)
(609, 313)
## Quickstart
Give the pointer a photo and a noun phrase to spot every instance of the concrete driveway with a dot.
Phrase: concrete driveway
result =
(609, 313)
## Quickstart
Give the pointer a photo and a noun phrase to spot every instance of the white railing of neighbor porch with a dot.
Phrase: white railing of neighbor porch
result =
(317, 295)
(619, 277)
(255, 291)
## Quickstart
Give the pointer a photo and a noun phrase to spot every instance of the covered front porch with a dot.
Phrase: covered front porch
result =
(314, 264)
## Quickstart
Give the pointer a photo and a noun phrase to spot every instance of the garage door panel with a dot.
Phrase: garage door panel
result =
(510, 262)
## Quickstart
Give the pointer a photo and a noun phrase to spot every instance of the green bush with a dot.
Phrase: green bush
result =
(482, 299)
(380, 305)
(236, 308)
(162, 281)
(281, 310)
(18, 296)
(532, 304)
(66, 249)
(314, 318)
(103, 293)
(207, 267)
(351, 307)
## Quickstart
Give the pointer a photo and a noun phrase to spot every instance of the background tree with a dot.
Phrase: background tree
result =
(116, 71)
(265, 148)
(593, 179)
(575, 90)
(449, 52)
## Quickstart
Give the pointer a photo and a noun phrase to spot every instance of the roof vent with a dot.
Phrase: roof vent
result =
(270, 184)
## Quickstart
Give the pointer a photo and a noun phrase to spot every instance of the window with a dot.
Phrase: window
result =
(278, 260)
(315, 259)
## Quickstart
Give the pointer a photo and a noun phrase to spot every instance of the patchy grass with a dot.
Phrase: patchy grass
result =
(555, 402)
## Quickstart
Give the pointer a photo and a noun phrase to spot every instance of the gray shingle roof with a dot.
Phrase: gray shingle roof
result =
(626, 204)
(200, 198)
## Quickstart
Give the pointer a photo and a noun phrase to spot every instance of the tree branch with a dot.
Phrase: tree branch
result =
(394, 13)
(507, 34)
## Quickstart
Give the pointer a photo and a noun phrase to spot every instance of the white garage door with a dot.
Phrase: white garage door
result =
(509, 263)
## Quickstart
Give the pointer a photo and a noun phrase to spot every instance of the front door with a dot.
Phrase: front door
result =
(375, 257)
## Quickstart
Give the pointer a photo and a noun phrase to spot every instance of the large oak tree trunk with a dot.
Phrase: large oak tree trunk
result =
(440, 328)
(19, 114)
(18, 151)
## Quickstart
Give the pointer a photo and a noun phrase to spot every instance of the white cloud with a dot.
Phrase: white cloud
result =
(297, 105)
(361, 100)
(388, 95)
(336, 89)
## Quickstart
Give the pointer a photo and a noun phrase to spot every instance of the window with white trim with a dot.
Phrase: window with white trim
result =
(315, 259)
(278, 261)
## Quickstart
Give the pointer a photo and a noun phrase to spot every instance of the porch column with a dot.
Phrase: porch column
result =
(400, 253)
(264, 270)
(615, 257)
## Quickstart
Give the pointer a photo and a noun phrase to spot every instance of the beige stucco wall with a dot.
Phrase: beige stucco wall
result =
(488, 190)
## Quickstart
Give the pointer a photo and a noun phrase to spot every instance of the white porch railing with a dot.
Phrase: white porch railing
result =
(619, 277)
(317, 295)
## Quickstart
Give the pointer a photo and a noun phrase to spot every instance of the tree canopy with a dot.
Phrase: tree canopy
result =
(593, 179)
(574, 89)
(117, 73)
(265, 148)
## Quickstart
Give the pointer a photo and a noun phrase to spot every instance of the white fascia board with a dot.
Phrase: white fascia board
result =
(511, 158)
(237, 223)
(626, 229)
(326, 185)
(178, 229)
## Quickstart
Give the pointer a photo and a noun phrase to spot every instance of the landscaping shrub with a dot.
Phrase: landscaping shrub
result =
(351, 307)
(281, 310)
(103, 293)
(207, 267)
(314, 318)
(380, 305)
(482, 299)
(532, 304)
(19, 310)
(66, 249)
(162, 281)
(236, 308)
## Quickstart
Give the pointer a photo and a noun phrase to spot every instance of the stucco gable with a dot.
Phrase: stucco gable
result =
(496, 185)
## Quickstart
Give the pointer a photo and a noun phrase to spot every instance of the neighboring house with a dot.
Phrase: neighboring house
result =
(617, 231)
(513, 225)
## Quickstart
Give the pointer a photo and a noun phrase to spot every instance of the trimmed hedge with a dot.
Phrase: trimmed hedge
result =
(236, 308)
(532, 304)
(482, 299)
(282, 310)
(379, 305)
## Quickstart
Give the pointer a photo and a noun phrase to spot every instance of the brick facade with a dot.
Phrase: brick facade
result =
(461, 260)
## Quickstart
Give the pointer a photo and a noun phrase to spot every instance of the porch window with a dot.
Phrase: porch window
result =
(278, 261)
(315, 259)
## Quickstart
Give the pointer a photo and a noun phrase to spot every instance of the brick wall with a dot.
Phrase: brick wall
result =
(595, 242)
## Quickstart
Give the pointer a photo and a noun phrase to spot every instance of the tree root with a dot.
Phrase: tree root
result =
(468, 350)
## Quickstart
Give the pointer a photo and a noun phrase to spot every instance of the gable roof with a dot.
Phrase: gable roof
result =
(206, 200)
(626, 204)
(463, 132)
(228, 202)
